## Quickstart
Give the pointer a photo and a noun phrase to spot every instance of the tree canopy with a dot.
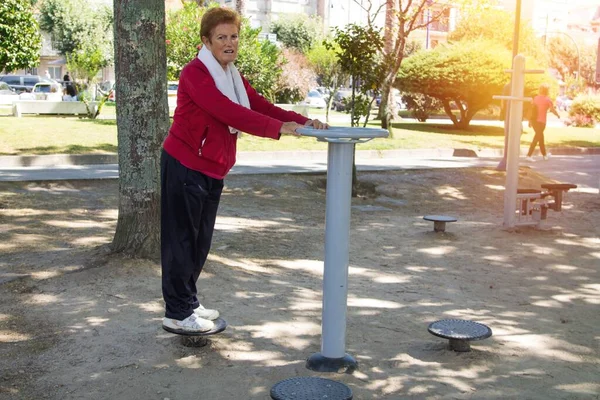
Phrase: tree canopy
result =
(324, 62)
(296, 79)
(20, 40)
(466, 74)
(82, 33)
(498, 26)
(298, 31)
(569, 57)
(359, 53)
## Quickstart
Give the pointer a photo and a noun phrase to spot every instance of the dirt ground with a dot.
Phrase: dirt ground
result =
(79, 323)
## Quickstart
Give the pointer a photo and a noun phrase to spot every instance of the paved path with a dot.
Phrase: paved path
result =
(582, 170)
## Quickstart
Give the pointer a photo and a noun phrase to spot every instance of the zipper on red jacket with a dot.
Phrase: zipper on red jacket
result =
(204, 136)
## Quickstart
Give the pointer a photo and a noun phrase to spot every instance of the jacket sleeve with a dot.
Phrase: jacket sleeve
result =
(263, 106)
(202, 90)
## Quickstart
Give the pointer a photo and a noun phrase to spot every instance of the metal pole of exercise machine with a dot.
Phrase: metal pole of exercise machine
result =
(515, 127)
(515, 50)
(341, 141)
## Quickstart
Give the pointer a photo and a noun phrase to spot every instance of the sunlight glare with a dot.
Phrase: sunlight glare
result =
(438, 251)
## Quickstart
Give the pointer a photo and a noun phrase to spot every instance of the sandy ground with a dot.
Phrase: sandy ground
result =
(79, 323)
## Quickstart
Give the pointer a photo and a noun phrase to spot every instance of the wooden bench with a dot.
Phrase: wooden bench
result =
(21, 107)
(533, 204)
(556, 190)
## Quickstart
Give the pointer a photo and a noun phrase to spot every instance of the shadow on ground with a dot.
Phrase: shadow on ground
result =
(77, 322)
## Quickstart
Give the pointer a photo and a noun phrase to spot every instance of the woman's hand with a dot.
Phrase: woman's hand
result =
(315, 123)
(289, 128)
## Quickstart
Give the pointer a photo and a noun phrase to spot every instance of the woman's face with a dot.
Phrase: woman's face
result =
(223, 43)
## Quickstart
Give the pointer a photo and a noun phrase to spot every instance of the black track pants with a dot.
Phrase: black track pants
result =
(189, 203)
(538, 128)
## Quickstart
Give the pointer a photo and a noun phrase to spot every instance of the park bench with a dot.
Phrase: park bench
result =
(21, 107)
(533, 204)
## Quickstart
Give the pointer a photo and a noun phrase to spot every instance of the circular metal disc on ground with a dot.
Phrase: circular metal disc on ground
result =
(459, 329)
(439, 218)
(310, 388)
(220, 325)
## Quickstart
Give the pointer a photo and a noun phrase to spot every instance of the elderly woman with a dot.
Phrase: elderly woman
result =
(214, 104)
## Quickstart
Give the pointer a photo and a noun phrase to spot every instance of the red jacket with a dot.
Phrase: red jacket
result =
(199, 136)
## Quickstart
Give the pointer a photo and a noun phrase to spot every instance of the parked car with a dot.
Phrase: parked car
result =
(315, 99)
(44, 91)
(323, 90)
(22, 83)
(338, 99)
(105, 87)
(563, 103)
(399, 102)
(7, 94)
(6, 90)
(172, 87)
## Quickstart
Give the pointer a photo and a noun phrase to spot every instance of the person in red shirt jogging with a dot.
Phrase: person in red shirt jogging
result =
(214, 105)
(541, 105)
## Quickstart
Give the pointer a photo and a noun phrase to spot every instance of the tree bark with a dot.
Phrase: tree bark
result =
(240, 7)
(142, 123)
(466, 114)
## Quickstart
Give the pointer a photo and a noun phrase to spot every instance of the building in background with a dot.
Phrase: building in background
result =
(339, 13)
(580, 19)
(261, 13)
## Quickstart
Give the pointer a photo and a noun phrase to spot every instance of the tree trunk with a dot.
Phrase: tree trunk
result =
(448, 111)
(240, 7)
(390, 35)
(142, 123)
(388, 109)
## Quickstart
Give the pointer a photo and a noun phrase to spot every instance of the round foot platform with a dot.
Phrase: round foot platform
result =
(439, 221)
(460, 332)
(318, 362)
(310, 388)
(199, 339)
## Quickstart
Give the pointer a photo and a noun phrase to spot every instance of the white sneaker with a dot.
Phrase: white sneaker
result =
(192, 324)
(530, 159)
(206, 313)
(547, 156)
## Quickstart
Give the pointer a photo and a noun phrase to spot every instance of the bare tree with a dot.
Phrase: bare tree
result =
(402, 17)
(142, 122)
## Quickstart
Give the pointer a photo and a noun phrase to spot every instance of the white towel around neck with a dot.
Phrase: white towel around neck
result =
(229, 81)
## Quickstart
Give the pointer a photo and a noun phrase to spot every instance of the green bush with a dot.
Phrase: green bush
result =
(421, 106)
(362, 107)
(298, 31)
(585, 111)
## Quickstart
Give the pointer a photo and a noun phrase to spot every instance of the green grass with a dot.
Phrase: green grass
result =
(72, 135)
(51, 135)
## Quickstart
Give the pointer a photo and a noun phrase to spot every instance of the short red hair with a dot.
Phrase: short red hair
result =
(217, 16)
